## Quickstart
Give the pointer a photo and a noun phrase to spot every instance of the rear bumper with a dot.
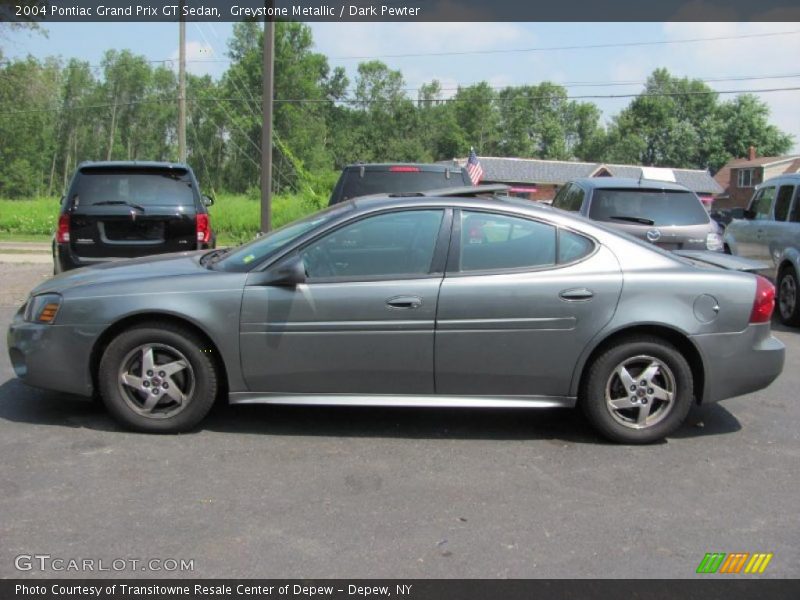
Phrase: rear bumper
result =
(66, 260)
(739, 363)
(53, 357)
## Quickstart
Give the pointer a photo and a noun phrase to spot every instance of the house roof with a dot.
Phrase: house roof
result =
(723, 176)
(558, 172)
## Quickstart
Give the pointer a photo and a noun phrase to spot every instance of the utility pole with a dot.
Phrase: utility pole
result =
(266, 129)
(182, 89)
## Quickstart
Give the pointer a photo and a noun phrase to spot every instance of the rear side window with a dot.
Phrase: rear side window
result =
(647, 207)
(396, 180)
(762, 203)
(105, 187)
(572, 247)
(490, 241)
(783, 202)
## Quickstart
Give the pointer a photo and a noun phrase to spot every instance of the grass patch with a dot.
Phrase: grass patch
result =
(234, 217)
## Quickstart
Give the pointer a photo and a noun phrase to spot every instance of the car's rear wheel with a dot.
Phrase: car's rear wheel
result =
(638, 391)
(788, 306)
(158, 378)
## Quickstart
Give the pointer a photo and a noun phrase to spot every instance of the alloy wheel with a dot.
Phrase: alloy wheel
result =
(640, 392)
(156, 381)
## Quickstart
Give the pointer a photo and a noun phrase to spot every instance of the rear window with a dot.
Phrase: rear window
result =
(103, 187)
(662, 207)
(396, 182)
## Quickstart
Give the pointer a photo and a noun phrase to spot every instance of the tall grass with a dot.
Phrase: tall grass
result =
(234, 217)
(36, 216)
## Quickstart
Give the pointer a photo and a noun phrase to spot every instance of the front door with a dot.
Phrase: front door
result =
(362, 323)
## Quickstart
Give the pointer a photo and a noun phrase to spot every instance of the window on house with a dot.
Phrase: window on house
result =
(745, 178)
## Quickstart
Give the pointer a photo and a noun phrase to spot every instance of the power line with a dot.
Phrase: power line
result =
(390, 101)
(635, 44)
(574, 47)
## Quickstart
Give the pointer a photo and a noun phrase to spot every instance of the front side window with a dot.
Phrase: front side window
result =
(391, 244)
(762, 203)
(491, 241)
(745, 178)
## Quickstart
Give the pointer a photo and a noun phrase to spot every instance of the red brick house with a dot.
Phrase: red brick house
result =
(740, 176)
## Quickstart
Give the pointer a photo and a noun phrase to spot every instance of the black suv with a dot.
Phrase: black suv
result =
(116, 210)
(395, 178)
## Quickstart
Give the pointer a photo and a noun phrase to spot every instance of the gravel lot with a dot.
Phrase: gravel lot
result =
(337, 492)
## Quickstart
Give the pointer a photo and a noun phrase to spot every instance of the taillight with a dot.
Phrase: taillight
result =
(203, 228)
(62, 233)
(764, 303)
(404, 169)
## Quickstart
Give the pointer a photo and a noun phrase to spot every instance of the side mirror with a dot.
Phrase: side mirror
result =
(208, 200)
(290, 272)
(749, 214)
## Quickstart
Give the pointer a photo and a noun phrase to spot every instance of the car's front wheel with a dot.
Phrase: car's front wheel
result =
(638, 391)
(788, 306)
(158, 378)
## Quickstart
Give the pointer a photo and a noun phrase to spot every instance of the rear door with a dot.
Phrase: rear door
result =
(124, 212)
(520, 301)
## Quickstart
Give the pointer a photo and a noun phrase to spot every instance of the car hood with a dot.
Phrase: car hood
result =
(147, 267)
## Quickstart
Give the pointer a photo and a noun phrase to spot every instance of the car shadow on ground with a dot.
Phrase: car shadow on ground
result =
(22, 404)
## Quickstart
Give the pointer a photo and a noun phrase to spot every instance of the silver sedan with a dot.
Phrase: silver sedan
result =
(408, 302)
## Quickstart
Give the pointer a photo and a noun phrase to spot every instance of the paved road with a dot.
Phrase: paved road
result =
(315, 492)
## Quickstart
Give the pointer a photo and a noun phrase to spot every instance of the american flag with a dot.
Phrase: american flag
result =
(474, 168)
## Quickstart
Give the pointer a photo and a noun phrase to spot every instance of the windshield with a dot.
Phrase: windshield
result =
(104, 187)
(250, 254)
(647, 207)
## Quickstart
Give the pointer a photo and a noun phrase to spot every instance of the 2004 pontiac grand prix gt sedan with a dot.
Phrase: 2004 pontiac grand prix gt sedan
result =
(408, 302)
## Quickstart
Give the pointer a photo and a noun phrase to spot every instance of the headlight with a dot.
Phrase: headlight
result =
(43, 308)
(714, 242)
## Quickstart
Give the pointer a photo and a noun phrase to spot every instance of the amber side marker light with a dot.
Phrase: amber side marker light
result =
(48, 313)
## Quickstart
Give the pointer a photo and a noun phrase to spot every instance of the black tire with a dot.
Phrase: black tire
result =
(788, 307)
(176, 348)
(670, 369)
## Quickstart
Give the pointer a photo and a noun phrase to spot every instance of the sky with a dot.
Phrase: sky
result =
(748, 59)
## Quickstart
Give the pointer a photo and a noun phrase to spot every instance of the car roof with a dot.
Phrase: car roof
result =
(422, 166)
(794, 177)
(128, 164)
(625, 182)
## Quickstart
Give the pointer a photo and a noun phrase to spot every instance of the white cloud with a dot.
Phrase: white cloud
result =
(200, 59)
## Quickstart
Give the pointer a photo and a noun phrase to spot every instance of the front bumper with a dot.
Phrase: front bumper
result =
(53, 357)
(739, 363)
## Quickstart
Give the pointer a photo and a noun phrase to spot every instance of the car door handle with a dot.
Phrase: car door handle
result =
(404, 302)
(576, 295)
